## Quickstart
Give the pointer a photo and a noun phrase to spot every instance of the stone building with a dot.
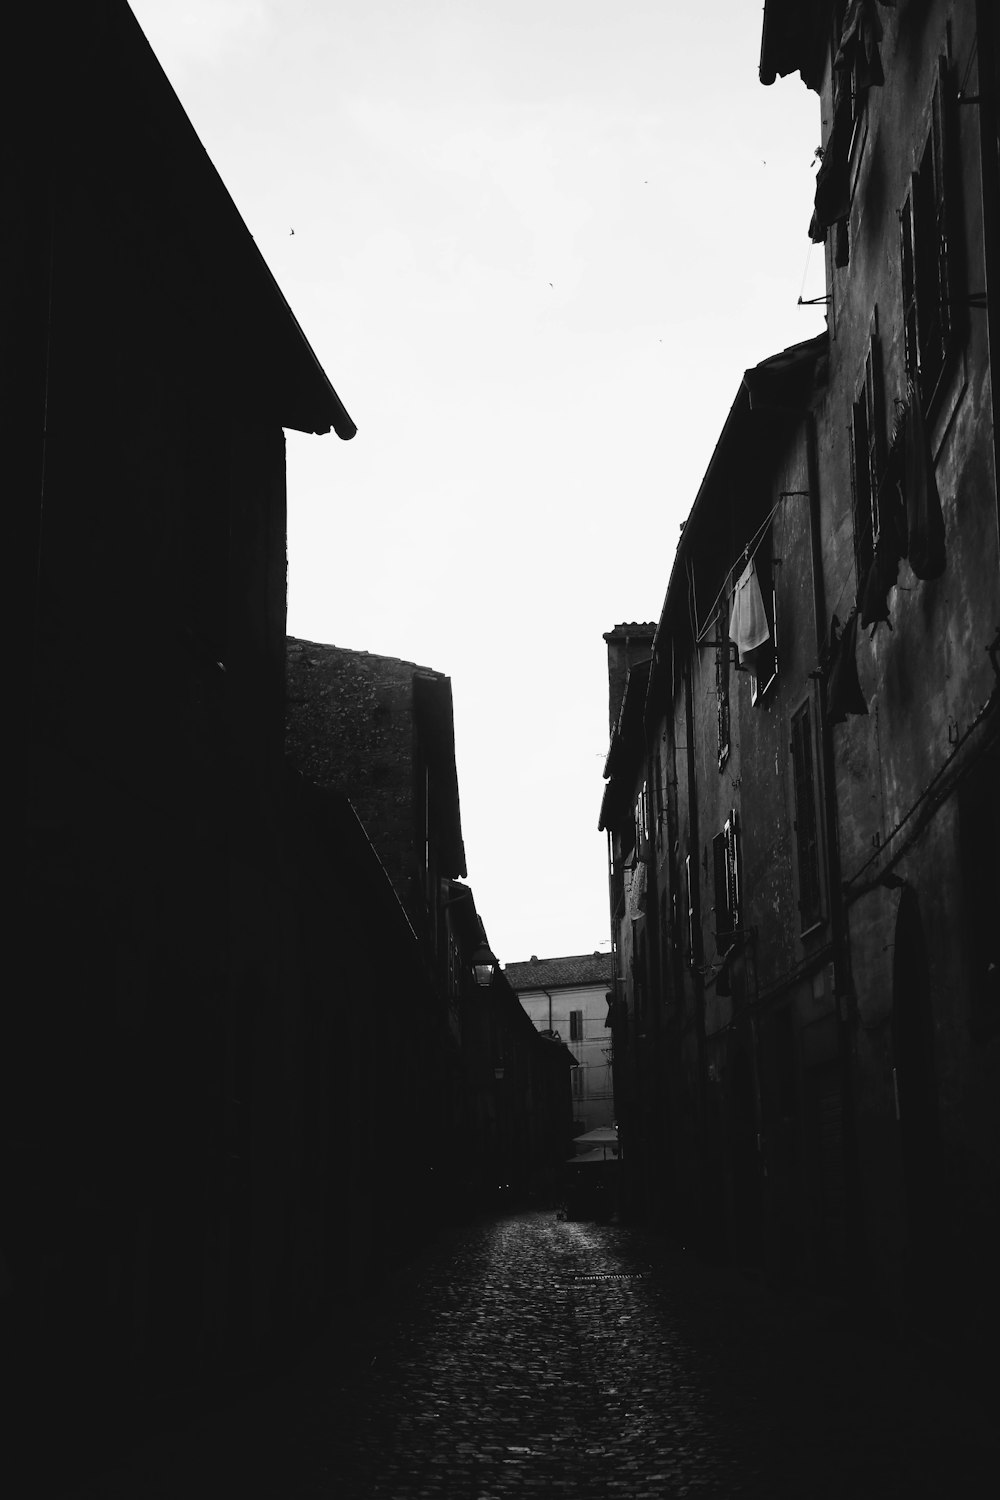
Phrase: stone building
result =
(907, 211)
(381, 731)
(802, 783)
(165, 1195)
(491, 1094)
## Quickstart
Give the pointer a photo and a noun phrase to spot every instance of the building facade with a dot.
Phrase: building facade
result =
(381, 732)
(160, 1176)
(567, 999)
(237, 1062)
(491, 1094)
(802, 782)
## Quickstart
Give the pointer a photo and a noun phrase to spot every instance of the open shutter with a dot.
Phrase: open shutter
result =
(909, 281)
(949, 210)
(723, 918)
(689, 893)
(875, 399)
(733, 868)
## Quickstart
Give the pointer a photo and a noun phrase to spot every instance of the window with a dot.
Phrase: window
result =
(722, 683)
(857, 63)
(637, 969)
(868, 454)
(642, 822)
(689, 892)
(765, 658)
(726, 866)
(928, 254)
(806, 823)
(577, 1079)
(658, 804)
(576, 1025)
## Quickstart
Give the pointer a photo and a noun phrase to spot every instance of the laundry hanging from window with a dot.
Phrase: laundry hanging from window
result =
(858, 54)
(748, 623)
(844, 695)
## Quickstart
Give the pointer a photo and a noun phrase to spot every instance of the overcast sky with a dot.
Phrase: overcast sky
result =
(534, 244)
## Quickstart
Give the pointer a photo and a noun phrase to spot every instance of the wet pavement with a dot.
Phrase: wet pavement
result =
(531, 1356)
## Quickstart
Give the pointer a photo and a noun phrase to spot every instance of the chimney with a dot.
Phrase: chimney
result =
(627, 645)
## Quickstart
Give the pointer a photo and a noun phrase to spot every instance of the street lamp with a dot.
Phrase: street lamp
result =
(484, 964)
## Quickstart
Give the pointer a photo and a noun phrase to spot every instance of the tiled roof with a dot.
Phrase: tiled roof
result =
(631, 630)
(560, 973)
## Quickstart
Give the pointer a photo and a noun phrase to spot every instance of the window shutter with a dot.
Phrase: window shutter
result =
(723, 917)
(733, 867)
(949, 209)
(909, 281)
(690, 907)
(765, 661)
(806, 828)
(877, 443)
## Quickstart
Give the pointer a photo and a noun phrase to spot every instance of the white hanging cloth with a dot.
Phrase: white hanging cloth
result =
(748, 625)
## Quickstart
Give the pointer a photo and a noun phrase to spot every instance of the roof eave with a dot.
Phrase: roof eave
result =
(792, 41)
(281, 370)
(763, 391)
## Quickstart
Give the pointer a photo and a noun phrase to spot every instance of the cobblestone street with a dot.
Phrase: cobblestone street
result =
(532, 1356)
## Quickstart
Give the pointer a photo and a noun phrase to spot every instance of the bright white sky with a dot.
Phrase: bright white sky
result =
(536, 243)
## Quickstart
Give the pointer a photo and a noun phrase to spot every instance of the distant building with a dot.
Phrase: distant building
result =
(567, 998)
(491, 1094)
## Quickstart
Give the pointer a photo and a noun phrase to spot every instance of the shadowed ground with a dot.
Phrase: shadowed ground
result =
(531, 1357)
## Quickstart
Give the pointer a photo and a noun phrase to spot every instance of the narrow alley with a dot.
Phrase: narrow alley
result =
(530, 1356)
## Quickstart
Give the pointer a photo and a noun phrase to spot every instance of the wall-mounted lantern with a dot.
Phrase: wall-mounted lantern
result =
(484, 964)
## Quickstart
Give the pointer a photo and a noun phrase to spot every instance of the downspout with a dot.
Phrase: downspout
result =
(989, 167)
(843, 988)
(838, 933)
(697, 960)
(657, 892)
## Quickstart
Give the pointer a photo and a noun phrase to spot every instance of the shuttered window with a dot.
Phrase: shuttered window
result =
(806, 822)
(765, 658)
(726, 870)
(929, 259)
(722, 683)
(689, 896)
(868, 453)
(641, 820)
